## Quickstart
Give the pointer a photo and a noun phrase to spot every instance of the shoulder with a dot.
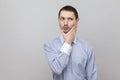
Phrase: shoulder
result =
(53, 42)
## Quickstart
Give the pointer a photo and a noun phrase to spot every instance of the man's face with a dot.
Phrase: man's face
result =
(67, 20)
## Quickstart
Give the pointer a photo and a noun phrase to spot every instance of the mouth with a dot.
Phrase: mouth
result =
(65, 28)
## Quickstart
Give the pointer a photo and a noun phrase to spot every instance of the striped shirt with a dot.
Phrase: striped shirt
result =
(71, 62)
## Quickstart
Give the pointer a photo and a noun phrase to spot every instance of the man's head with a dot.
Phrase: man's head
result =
(68, 18)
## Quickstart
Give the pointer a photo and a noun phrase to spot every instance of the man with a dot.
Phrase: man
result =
(70, 58)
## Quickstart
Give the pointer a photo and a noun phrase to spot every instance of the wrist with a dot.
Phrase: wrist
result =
(68, 42)
(66, 48)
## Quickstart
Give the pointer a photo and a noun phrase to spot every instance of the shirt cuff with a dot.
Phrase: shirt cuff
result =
(66, 48)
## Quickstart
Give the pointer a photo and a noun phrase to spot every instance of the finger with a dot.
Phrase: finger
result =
(72, 29)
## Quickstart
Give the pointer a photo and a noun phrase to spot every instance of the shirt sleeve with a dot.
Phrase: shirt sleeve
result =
(57, 59)
(66, 48)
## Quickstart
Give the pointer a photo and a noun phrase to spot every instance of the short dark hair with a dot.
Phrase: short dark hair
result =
(69, 8)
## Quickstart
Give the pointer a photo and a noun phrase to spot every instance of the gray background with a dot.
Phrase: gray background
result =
(25, 25)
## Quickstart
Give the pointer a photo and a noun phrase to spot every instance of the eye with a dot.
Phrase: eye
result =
(62, 18)
(70, 19)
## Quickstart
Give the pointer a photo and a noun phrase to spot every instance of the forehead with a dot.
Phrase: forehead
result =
(65, 13)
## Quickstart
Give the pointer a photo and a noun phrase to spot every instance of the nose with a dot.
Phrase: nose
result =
(66, 22)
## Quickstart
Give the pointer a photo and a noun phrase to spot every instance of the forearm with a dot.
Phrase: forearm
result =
(58, 60)
(59, 63)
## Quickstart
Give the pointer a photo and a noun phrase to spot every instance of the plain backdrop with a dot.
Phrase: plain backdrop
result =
(25, 25)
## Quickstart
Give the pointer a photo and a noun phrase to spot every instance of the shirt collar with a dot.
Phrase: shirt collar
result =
(62, 39)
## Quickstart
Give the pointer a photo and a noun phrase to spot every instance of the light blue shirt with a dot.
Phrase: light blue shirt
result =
(78, 65)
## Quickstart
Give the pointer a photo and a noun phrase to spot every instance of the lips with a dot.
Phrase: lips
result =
(65, 28)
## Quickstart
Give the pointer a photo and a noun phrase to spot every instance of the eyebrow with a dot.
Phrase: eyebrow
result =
(67, 17)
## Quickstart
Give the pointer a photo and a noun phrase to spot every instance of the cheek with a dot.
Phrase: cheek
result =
(72, 24)
(61, 24)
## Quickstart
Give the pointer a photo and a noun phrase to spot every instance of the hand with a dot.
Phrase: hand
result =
(70, 36)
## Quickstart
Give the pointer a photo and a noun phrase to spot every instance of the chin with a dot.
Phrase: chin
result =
(66, 32)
